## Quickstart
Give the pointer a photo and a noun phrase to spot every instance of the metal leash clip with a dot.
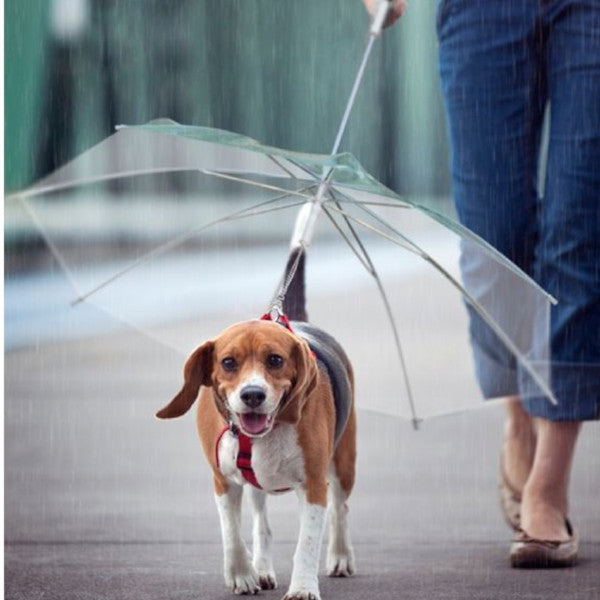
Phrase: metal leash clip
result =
(276, 312)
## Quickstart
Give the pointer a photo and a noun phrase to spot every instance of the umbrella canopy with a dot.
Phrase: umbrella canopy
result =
(173, 258)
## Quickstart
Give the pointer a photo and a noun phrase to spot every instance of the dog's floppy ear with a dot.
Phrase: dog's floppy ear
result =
(197, 372)
(306, 380)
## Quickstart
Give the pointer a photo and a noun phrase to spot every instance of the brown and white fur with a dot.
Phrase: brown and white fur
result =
(290, 415)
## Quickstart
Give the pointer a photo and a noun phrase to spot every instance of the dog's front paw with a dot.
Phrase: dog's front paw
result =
(340, 565)
(267, 581)
(302, 595)
(266, 573)
(242, 581)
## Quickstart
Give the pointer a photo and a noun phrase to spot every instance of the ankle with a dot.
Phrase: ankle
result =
(548, 497)
(518, 452)
(542, 518)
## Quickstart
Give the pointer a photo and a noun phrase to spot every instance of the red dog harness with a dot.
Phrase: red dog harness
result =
(244, 457)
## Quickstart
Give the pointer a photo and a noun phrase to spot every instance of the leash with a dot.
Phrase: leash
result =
(276, 311)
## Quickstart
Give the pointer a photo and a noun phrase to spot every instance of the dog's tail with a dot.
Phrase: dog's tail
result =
(294, 300)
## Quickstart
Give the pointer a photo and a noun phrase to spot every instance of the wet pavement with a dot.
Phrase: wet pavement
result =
(104, 501)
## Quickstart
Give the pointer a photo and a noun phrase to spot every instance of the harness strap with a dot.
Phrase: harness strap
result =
(281, 319)
(244, 458)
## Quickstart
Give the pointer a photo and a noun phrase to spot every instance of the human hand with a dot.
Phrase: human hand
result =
(396, 10)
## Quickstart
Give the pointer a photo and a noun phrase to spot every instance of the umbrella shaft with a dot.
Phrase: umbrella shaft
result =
(353, 93)
(305, 221)
(309, 213)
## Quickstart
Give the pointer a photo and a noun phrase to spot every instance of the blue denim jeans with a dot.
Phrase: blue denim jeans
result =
(501, 62)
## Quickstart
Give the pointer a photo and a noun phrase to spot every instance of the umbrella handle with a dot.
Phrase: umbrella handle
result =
(379, 18)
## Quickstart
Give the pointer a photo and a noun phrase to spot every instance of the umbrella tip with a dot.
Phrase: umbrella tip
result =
(77, 301)
(416, 423)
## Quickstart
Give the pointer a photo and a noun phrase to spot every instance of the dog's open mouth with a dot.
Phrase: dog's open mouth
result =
(254, 423)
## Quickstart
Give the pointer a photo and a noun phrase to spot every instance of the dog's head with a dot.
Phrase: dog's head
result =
(259, 372)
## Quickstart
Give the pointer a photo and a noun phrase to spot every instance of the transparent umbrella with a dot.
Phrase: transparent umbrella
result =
(173, 265)
(176, 260)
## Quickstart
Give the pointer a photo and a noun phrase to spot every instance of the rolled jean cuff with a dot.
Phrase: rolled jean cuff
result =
(576, 387)
(496, 379)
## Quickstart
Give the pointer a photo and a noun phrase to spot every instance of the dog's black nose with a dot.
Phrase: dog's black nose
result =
(252, 396)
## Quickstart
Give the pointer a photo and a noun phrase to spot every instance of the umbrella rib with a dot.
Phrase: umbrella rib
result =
(284, 169)
(503, 260)
(318, 179)
(474, 304)
(370, 267)
(250, 182)
(349, 200)
(306, 170)
(47, 189)
(498, 255)
(345, 237)
(462, 231)
(355, 236)
(162, 249)
(55, 251)
(408, 243)
(343, 198)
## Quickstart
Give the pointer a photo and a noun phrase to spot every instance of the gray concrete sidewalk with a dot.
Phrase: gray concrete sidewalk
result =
(103, 501)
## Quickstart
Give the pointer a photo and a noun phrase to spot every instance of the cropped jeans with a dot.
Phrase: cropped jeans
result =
(501, 63)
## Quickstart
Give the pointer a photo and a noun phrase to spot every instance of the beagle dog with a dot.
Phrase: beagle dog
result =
(276, 413)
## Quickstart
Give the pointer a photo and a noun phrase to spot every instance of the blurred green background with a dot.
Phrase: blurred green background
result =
(276, 70)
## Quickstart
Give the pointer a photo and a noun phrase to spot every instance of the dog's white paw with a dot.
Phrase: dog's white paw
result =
(243, 581)
(340, 564)
(267, 581)
(266, 573)
(302, 595)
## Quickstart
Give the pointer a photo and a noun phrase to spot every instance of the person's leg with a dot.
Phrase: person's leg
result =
(492, 88)
(568, 253)
(494, 97)
(494, 92)
(545, 496)
(568, 261)
(518, 445)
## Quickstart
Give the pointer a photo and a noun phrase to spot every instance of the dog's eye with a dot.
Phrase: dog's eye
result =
(274, 361)
(229, 364)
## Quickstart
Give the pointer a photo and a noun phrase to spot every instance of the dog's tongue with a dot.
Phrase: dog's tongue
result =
(254, 422)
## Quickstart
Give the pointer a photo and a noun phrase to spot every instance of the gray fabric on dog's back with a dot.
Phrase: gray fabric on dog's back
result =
(334, 359)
